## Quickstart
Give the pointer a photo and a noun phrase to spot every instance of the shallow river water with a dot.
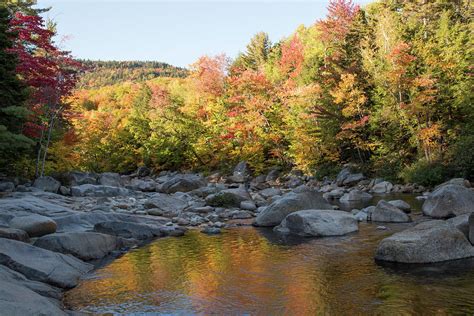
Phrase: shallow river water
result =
(250, 271)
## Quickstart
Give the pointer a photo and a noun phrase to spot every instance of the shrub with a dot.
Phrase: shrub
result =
(425, 173)
(462, 157)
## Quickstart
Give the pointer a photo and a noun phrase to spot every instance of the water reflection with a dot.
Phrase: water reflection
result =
(251, 271)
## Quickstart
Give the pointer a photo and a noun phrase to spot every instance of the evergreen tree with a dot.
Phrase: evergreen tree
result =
(12, 97)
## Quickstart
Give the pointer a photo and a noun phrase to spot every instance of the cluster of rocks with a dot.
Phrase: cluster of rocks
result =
(70, 219)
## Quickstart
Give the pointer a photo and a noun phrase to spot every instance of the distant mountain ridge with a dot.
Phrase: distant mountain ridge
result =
(104, 73)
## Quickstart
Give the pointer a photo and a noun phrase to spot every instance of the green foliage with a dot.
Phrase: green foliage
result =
(461, 157)
(425, 173)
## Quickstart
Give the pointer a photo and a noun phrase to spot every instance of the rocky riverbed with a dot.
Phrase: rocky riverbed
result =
(54, 230)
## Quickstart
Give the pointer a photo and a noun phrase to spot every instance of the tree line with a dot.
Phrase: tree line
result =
(387, 88)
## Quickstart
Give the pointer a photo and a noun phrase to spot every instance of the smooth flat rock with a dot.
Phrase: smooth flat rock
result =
(35, 225)
(449, 200)
(428, 242)
(289, 203)
(27, 204)
(402, 205)
(387, 213)
(42, 265)
(8, 275)
(13, 233)
(128, 230)
(318, 223)
(18, 300)
(86, 221)
(82, 245)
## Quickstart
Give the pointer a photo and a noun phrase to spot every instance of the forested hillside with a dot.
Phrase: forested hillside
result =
(102, 73)
(387, 87)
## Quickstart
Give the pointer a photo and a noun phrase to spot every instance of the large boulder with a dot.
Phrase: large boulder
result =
(42, 265)
(402, 205)
(461, 222)
(353, 179)
(128, 230)
(48, 184)
(449, 200)
(35, 225)
(228, 198)
(318, 223)
(183, 183)
(343, 175)
(386, 212)
(432, 241)
(83, 245)
(241, 172)
(355, 196)
(111, 179)
(98, 190)
(289, 203)
(75, 178)
(382, 187)
(18, 300)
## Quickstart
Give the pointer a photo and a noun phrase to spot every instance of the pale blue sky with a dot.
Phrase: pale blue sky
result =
(176, 32)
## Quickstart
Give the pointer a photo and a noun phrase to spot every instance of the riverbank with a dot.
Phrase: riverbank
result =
(80, 218)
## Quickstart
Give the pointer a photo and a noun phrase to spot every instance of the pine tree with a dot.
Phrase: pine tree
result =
(12, 97)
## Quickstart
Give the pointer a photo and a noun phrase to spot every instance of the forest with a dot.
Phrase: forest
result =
(386, 87)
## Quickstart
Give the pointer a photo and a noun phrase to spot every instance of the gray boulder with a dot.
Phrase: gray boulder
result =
(167, 203)
(353, 178)
(267, 193)
(386, 212)
(355, 196)
(432, 241)
(111, 179)
(83, 245)
(449, 200)
(76, 178)
(334, 194)
(42, 265)
(402, 205)
(289, 203)
(228, 198)
(12, 233)
(248, 205)
(35, 225)
(144, 185)
(343, 174)
(98, 190)
(318, 223)
(48, 184)
(461, 222)
(183, 183)
(18, 300)
(128, 230)
(382, 187)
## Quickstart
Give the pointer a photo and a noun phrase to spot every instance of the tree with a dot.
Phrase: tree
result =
(256, 54)
(12, 97)
(50, 73)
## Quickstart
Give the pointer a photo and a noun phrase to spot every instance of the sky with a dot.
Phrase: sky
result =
(176, 32)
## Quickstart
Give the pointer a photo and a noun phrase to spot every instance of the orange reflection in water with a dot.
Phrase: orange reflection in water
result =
(250, 271)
